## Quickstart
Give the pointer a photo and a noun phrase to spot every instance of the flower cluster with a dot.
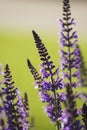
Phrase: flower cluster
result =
(46, 83)
(71, 63)
(13, 113)
(70, 53)
(49, 80)
(57, 86)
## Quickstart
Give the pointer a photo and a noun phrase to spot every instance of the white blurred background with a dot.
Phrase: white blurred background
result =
(26, 15)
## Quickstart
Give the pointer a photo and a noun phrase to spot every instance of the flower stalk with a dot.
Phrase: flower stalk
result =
(71, 63)
(47, 90)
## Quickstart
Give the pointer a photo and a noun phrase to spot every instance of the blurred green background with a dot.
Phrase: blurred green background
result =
(17, 19)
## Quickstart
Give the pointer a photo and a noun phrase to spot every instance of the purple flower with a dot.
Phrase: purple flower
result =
(65, 117)
(63, 43)
(59, 84)
(46, 86)
(45, 97)
(74, 35)
(73, 21)
(63, 97)
(50, 110)
(77, 74)
(45, 74)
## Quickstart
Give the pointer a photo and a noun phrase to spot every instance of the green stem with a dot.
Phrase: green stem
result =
(57, 122)
(55, 100)
(57, 125)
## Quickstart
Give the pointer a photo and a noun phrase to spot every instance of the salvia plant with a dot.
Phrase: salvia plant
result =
(14, 109)
(61, 106)
(57, 87)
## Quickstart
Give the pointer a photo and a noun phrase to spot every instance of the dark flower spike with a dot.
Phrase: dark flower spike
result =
(25, 101)
(26, 104)
(84, 115)
(15, 113)
(35, 74)
(44, 56)
(49, 89)
(10, 95)
(41, 48)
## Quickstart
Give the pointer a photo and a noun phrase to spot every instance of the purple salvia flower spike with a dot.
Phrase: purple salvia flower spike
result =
(38, 79)
(47, 89)
(46, 92)
(70, 59)
(71, 63)
(9, 92)
(15, 119)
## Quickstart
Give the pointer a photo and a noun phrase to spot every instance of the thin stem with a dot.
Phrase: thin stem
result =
(57, 125)
(70, 69)
(55, 101)
(57, 122)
